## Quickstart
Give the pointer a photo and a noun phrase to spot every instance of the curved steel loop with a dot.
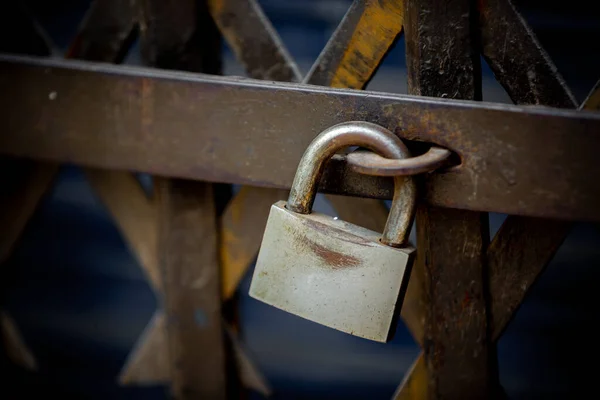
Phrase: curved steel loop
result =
(374, 138)
(370, 163)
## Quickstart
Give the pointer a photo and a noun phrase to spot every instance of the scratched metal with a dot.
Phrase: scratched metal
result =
(441, 62)
(370, 163)
(331, 272)
(363, 134)
(253, 39)
(236, 130)
(358, 45)
(519, 62)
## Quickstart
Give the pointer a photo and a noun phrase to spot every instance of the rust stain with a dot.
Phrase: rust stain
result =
(333, 258)
(466, 300)
(339, 234)
(147, 105)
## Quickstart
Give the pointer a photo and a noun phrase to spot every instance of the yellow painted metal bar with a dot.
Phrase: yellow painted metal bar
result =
(242, 225)
(377, 28)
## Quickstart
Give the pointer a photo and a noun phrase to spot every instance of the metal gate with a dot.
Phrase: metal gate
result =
(195, 240)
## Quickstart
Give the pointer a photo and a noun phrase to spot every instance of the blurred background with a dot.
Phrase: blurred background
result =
(80, 300)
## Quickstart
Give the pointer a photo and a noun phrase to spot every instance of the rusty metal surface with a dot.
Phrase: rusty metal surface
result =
(104, 24)
(516, 257)
(517, 59)
(178, 124)
(136, 217)
(522, 248)
(105, 34)
(101, 37)
(253, 40)
(451, 246)
(444, 27)
(363, 134)
(520, 252)
(442, 62)
(358, 45)
(181, 35)
(188, 252)
(370, 163)
(331, 272)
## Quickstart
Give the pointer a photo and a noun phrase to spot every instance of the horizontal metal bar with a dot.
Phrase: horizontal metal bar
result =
(519, 160)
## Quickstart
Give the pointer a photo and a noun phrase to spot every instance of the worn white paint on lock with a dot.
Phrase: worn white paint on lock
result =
(330, 272)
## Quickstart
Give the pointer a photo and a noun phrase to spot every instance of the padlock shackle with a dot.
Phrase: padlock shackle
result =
(363, 134)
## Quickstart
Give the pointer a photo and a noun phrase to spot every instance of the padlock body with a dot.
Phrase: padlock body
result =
(331, 272)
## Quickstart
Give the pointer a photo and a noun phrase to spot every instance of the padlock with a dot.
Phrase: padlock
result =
(329, 271)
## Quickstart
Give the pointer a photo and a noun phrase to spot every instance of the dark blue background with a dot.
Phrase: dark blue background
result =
(81, 300)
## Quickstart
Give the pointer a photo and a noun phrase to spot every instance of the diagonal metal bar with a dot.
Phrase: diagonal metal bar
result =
(517, 256)
(176, 124)
(253, 40)
(517, 59)
(350, 58)
(358, 45)
(592, 102)
(24, 183)
(148, 362)
(16, 348)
